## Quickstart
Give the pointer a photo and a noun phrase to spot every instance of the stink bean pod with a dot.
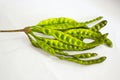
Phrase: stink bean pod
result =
(58, 44)
(62, 20)
(82, 55)
(62, 29)
(66, 38)
(33, 42)
(41, 44)
(66, 26)
(98, 26)
(53, 21)
(84, 62)
(108, 42)
(73, 58)
(93, 20)
(84, 33)
(69, 39)
(64, 46)
(65, 23)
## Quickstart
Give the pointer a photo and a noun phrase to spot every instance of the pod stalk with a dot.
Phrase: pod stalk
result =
(26, 30)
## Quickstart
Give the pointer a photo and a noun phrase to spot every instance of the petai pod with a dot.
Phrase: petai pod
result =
(85, 55)
(41, 44)
(53, 21)
(66, 38)
(72, 58)
(84, 33)
(82, 55)
(98, 26)
(68, 35)
(66, 26)
(65, 23)
(60, 23)
(84, 62)
(64, 46)
(93, 20)
(62, 20)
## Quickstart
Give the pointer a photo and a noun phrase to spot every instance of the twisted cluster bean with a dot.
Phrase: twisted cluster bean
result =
(65, 56)
(68, 35)
(53, 21)
(98, 26)
(64, 46)
(65, 23)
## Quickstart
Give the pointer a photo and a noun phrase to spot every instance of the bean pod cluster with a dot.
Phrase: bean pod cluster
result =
(69, 35)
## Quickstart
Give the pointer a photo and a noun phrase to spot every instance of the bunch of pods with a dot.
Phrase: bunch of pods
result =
(68, 35)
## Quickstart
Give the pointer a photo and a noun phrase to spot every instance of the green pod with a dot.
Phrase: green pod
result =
(82, 55)
(98, 26)
(85, 55)
(93, 20)
(39, 43)
(108, 42)
(58, 44)
(33, 42)
(65, 23)
(62, 20)
(64, 46)
(90, 34)
(64, 56)
(66, 38)
(83, 62)
(65, 26)
(83, 33)
(54, 21)
(76, 58)
(59, 52)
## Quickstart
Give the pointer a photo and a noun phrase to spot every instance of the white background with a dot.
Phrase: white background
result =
(19, 60)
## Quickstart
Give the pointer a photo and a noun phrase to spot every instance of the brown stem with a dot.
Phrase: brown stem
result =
(19, 30)
(26, 30)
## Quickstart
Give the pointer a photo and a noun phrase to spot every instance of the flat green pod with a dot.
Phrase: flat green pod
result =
(53, 21)
(62, 20)
(66, 56)
(66, 38)
(87, 33)
(66, 26)
(93, 20)
(81, 55)
(62, 23)
(84, 33)
(98, 26)
(65, 46)
(39, 43)
(63, 39)
(84, 62)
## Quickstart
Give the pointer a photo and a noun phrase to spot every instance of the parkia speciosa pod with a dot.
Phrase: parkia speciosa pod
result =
(69, 35)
